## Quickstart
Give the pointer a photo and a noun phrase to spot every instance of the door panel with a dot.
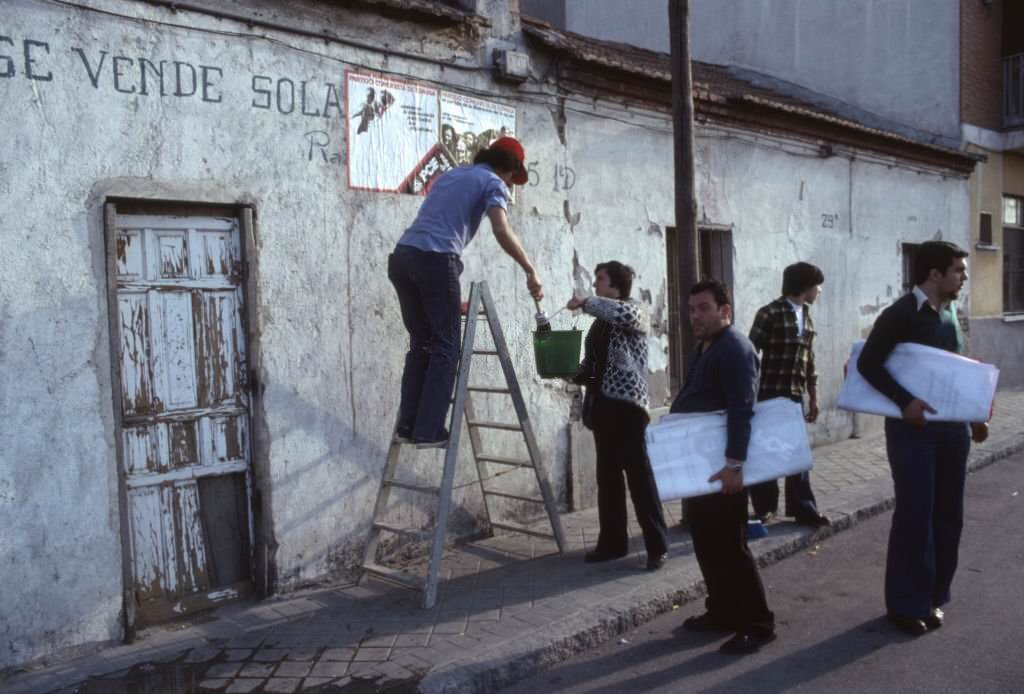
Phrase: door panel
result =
(185, 411)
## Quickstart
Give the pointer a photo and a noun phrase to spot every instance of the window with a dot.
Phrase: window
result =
(1011, 210)
(985, 229)
(1013, 254)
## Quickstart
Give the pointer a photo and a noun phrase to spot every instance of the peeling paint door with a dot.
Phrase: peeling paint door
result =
(185, 411)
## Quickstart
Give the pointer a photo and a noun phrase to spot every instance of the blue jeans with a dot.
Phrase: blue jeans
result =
(429, 295)
(929, 467)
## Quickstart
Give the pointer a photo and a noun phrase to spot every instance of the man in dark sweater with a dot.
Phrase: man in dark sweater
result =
(723, 376)
(928, 459)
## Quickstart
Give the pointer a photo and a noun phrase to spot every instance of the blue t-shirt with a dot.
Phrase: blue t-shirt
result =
(450, 216)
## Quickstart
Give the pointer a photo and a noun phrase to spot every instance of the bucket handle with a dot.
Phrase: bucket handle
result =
(575, 314)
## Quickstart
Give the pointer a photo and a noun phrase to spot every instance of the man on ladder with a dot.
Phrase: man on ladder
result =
(425, 267)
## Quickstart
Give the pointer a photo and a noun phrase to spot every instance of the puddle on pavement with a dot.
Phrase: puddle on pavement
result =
(187, 678)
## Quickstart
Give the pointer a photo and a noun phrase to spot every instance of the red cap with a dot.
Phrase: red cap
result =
(511, 145)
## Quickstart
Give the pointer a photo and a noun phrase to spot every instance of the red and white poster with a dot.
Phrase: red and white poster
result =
(392, 130)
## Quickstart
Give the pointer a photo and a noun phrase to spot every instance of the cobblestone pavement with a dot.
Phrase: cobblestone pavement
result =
(507, 606)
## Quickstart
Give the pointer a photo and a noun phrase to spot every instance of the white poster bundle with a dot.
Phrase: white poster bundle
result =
(958, 388)
(686, 449)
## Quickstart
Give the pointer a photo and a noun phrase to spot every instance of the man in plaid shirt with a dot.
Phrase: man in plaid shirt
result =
(784, 334)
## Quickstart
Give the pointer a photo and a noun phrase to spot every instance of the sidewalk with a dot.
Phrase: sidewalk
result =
(509, 605)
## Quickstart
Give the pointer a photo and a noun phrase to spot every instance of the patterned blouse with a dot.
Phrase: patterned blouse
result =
(625, 372)
(787, 358)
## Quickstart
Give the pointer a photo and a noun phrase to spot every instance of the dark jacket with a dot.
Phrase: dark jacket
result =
(724, 377)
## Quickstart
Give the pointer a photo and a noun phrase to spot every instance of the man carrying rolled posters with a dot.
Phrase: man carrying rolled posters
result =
(784, 334)
(928, 459)
(723, 376)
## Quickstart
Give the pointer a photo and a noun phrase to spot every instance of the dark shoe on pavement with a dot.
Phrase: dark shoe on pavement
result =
(599, 555)
(440, 442)
(746, 642)
(813, 521)
(403, 435)
(935, 619)
(908, 625)
(656, 561)
(705, 623)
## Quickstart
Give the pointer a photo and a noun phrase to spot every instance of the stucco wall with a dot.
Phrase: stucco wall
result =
(786, 204)
(329, 332)
(998, 342)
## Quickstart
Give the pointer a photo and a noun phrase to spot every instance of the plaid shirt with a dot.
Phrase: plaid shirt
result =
(787, 359)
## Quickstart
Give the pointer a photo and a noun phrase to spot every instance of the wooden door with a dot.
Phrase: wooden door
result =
(184, 410)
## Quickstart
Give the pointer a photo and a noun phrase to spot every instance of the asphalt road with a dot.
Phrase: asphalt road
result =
(833, 636)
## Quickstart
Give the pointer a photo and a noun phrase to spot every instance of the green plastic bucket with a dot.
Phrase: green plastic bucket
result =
(557, 352)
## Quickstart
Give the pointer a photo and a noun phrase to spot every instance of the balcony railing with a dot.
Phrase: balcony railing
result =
(1013, 91)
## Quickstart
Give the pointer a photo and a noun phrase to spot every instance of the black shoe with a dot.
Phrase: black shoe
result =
(403, 435)
(908, 625)
(599, 556)
(813, 521)
(745, 642)
(935, 619)
(440, 442)
(656, 561)
(704, 623)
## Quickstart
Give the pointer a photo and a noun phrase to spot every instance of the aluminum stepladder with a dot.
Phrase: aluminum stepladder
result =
(481, 307)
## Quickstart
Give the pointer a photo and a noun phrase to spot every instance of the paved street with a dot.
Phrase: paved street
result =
(832, 634)
(508, 607)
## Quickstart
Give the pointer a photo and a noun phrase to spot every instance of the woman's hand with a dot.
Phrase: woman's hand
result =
(576, 302)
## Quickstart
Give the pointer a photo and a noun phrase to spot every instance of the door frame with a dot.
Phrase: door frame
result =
(244, 213)
(677, 296)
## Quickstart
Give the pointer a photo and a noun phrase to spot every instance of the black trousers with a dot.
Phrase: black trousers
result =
(800, 501)
(718, 526)
(619, 439)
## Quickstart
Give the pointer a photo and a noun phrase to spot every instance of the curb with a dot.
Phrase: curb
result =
(501, 665)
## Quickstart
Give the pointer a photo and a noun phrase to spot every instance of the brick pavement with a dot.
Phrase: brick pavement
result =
(508, 605)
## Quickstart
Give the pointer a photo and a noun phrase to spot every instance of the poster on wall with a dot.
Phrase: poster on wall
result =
(392, 131)
(401, 134)
(469, 124)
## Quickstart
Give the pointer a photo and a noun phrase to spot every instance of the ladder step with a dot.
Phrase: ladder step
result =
(507, 426)
(488, 389)
(521, 529)
(395, 576)
(517, 497)
(491, 352)
(408, 532)
(426, 489)
(502, 460)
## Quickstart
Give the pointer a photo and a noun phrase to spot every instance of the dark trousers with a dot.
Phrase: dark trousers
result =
(718, 526)
(800, 501)
(929, 467)
(619, 439)
(429, 295)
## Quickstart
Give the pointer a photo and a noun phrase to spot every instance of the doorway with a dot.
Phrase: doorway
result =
(182, 398)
